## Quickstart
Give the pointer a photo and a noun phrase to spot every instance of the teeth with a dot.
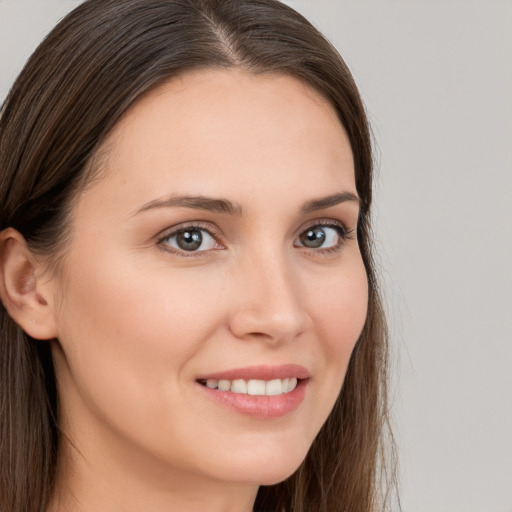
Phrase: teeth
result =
(254, 387)
(212, 383)
(239, 386)
(274, 387)
(292, 384)
(224, 385)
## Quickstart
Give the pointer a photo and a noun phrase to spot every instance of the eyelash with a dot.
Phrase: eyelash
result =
(344, 234)
(197, 226)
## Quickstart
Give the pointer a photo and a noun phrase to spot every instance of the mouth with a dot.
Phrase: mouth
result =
(258, 391)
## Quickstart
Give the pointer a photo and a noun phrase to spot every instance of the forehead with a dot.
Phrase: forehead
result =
(213, 130)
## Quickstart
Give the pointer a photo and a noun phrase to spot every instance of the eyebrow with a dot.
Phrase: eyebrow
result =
(208, 204)
(328, 201)
(219, 205)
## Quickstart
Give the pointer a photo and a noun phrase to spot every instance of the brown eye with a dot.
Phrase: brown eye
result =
(322, 237)
(190, 240)
(313, 238)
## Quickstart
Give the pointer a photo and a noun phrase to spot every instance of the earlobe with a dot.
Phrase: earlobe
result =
(25, 297)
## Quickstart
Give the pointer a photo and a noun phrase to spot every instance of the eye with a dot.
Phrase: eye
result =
(190, 239)
(323, 236)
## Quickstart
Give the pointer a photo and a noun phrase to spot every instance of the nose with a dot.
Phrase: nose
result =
(267, 302)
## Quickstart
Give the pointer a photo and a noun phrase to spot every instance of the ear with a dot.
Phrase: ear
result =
(24, 293)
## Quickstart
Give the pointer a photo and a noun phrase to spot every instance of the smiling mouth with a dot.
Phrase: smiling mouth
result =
(253, 387)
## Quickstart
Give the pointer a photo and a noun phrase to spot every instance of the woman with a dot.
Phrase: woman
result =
(190, 314)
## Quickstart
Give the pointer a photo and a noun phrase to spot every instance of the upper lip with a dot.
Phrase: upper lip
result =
(261, 372)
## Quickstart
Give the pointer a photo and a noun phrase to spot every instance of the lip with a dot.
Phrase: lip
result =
(258, 406)
(261, 372)
(264, 407)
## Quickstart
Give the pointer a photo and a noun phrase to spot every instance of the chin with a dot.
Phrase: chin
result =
(266, 471)
(276, 478)
(268, 476)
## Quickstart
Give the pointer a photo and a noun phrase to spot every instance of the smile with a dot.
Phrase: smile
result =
(258, 391)
(254, 387)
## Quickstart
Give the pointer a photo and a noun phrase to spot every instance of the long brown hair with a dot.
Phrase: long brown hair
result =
(76, 86)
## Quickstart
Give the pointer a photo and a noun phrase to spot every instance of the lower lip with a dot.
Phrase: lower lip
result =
(259, 406)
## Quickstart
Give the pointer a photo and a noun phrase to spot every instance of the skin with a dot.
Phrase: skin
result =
(137, 320)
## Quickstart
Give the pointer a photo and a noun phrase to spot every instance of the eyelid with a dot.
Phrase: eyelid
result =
(345, 234)
(327, 222)
(167, 233)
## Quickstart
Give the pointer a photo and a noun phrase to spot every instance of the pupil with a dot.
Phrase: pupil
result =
(313, 237)
(189, 240)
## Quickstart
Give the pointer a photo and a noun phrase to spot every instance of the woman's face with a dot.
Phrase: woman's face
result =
(217, 245)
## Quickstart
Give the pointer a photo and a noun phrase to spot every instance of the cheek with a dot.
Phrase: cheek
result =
(128, 330)
(339, 312)
(130, 336)
(340, 309)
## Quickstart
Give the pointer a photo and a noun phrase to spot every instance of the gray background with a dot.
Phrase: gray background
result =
(436, 77)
